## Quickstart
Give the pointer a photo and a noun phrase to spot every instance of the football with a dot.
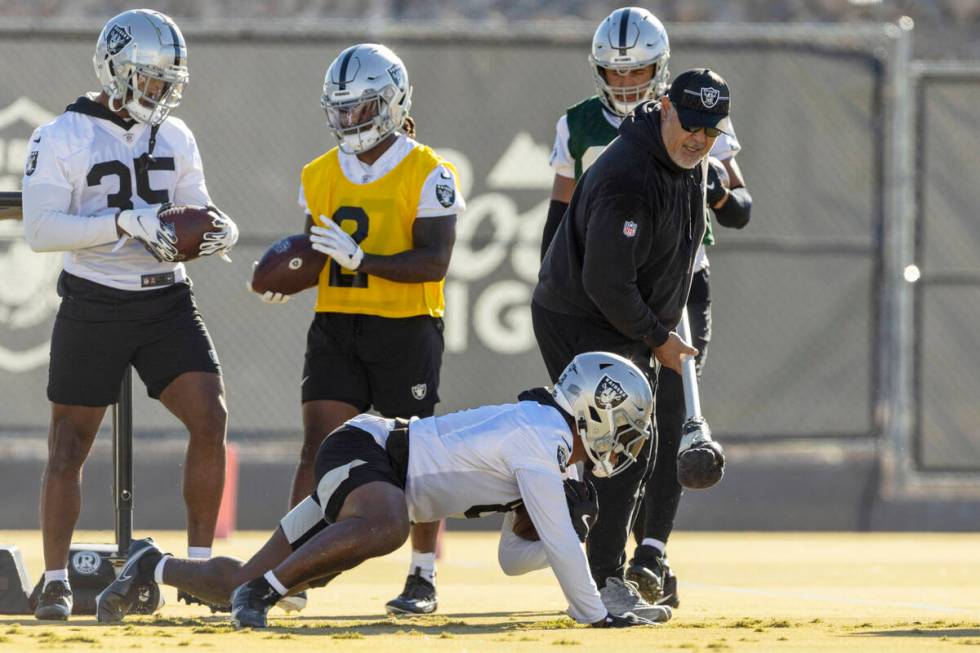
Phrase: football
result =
(523, 526)
(288, 266)
(189, 224)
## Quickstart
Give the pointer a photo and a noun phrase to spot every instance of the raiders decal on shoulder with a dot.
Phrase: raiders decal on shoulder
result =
(562, 459)
(446, 195)
(31, 163)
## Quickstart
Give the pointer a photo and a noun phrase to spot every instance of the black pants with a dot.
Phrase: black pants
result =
(561, 338)
(663, 492)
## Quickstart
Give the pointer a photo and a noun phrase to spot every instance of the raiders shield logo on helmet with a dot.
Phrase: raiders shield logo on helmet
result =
(445, 194)
(609, 393)
(419, 390)
(117, 39)
(396, 75)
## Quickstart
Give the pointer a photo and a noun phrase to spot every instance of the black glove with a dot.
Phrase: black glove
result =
(717, 181)
(701, 460)
(625, 620)
(583, 505)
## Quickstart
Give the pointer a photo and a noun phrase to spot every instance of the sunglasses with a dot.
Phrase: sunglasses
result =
(710, 132)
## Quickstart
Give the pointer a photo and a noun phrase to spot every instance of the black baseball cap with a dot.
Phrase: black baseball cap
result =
(702, 99)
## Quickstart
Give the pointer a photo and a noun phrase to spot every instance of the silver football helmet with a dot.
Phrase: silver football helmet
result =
(366, 96)
(141, 60)
(611, 401)
(628, 39)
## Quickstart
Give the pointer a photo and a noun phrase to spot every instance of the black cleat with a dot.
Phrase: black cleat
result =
(134, 582)
(250, 603)
(648, 574)
(54, 602)
(418, 597)
(654, 579)
(190, 599)
(670, 596)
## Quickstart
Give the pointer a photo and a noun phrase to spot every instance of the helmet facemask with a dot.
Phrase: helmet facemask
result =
(362, 123)
(149, 93)
(621, 100)
(613, 439)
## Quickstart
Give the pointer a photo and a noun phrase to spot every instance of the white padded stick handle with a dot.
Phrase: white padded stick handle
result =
(692, 399)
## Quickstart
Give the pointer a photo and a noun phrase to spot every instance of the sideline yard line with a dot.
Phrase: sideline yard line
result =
(830, 598)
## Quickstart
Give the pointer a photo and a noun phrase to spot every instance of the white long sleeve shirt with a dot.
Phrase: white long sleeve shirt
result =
(81, 170)
(490, 459)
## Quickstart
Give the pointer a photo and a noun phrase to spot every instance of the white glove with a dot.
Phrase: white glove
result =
(268, 296)
(144, 226)
(335, 243)
(220, 241)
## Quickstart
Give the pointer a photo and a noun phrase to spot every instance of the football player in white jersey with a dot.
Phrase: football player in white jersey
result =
(376, 476)
(629, 59)
(94, 181)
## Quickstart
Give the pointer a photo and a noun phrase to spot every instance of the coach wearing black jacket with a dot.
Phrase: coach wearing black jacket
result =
(616, 276)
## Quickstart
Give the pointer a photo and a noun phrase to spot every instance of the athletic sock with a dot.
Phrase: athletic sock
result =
(661, 547)
(275, 584)
(423, 564)
(199, 552)
(158, 569)
(55, 574)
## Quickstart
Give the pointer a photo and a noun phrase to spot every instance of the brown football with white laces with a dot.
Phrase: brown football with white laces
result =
(189, 224)
(289, 266)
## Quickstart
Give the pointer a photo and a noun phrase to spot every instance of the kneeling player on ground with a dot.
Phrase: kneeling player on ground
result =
(375, 476)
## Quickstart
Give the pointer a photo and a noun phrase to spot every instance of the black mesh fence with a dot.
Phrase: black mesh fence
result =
(795, 293)
(947, 370)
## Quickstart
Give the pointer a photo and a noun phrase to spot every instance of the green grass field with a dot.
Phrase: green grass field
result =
(787, 592)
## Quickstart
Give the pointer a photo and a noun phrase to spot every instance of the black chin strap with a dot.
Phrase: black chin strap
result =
(153, 141)
(147, 157)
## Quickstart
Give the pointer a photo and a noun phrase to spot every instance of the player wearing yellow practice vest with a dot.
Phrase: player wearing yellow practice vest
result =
(383, 208)
(379, 216)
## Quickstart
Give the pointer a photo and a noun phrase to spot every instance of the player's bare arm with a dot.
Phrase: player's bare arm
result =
(427, 261)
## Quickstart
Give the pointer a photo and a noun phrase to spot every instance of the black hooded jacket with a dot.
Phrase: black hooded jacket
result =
(624, 252)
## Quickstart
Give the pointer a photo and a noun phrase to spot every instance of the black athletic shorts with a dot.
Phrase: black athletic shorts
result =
(349, 458)
(390, 364)
(99, 330)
